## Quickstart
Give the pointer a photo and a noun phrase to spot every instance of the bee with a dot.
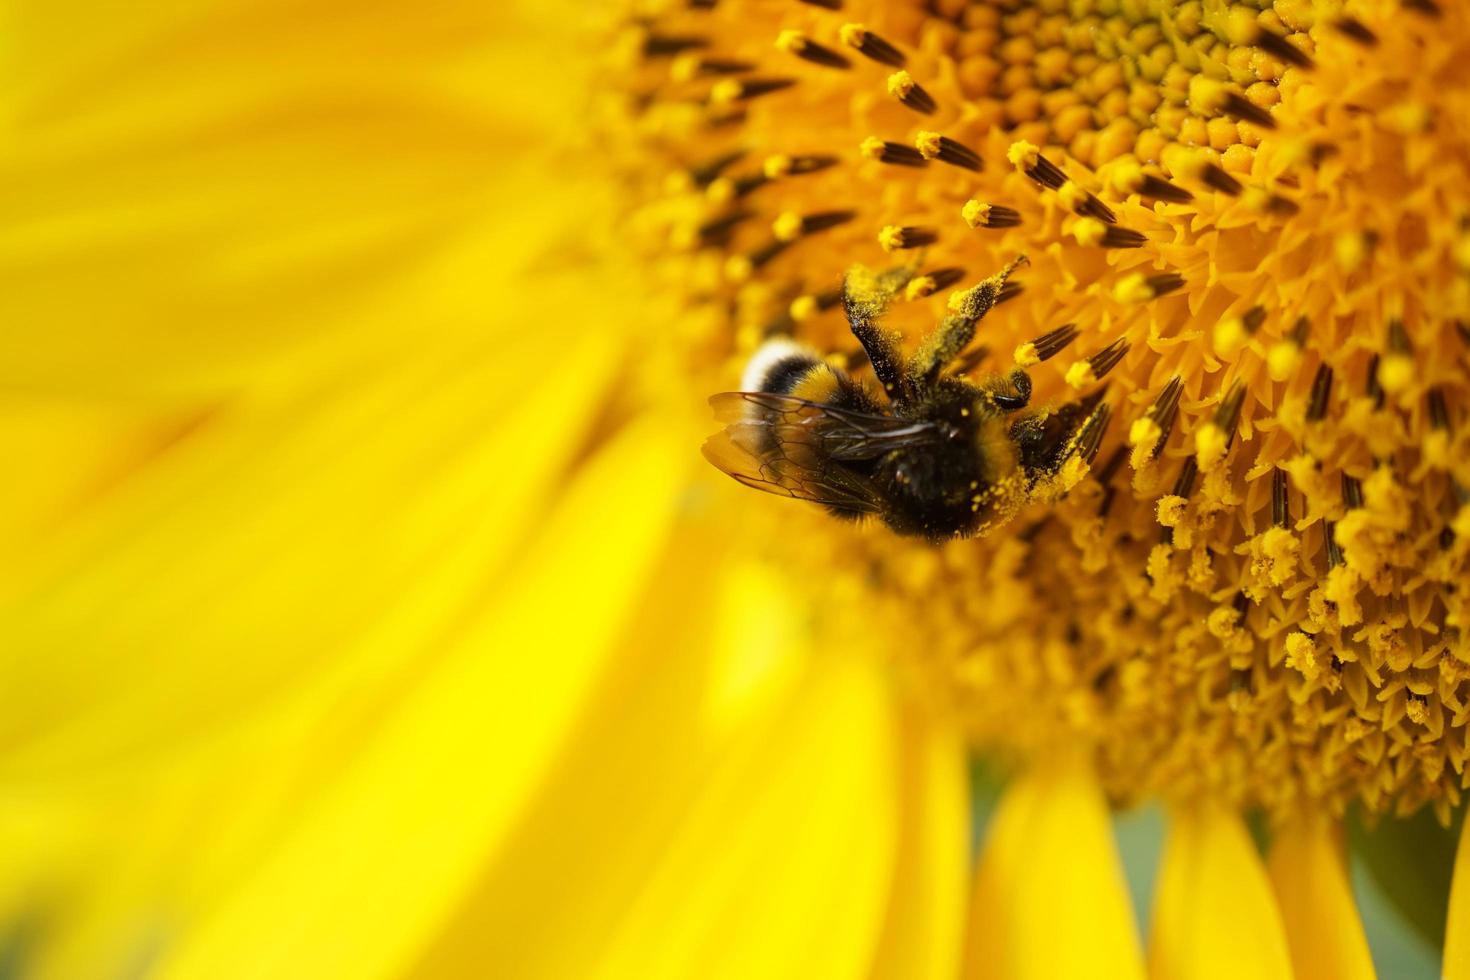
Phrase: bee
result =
(935, 456)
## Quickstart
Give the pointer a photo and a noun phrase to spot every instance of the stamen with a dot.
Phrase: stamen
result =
(1105, 477)
(1275, 44)
(886, 151)
(1352, 492)
(1138, 288)
(703, 174)
(1081, 201)
(1093, 369)
(970, 360)
(1396, 370)
(1439, 413)
(797, 43)
(687, 67)
(1128, 177)
(790, 226)
(870, 45)
(1194, 164)
(1373, 389)
(824, 4)
(1321, 390)
(1214, 97)
(739, 268)
(931, 282)
(901, 86)
(896, 237)
(1184, 485)
(1212, 440)
(667, 45)
(781, 165)
(1234, 332)
(1092, 232)
(977, 214)
(1028, 159)
(936, 147)
(1047, 346)
(1090, 436)
(1009, 291)
(1285, 356)
(1280, 501)
(1355, 30)
(1430, 8)
(805, 307)
(722, 190)
(730, 90)
(1334, 550)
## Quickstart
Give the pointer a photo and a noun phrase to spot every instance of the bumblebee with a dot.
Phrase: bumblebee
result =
(935, 456)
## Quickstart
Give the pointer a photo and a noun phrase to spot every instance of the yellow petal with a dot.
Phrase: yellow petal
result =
(924, 924)
(388, 843)
(1308, 867)
(1457, 925)
(726, 809)
(1214, 915)
(1050, 900)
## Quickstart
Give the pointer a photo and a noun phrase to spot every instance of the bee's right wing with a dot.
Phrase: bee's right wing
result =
(794, 447)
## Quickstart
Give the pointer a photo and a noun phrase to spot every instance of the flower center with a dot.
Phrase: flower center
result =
(1249, 236)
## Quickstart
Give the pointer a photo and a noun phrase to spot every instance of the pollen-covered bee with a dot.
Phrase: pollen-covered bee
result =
(936, 456)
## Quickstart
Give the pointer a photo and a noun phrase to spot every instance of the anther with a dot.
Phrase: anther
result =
(870, 45)
(724, 189)
(1429, 8)
(1184, 485)
(730, 90)
(1093, 233)
(1321, 390)
(1138, 288)
(1213, 96)
(1093, 369)
(1355, 30)
(895, 237)
(886, 151)
(978, 214)
(1334, 550)
(1234, 332)
(1153, 428)
(690, 66)
(1280, 501)
(805, 307)
(970, 360)
(790, 226)
(1128, 177)
(716, 229)
(901, 86)
(931, 282)
(1227, 413)
(667, 45)
(824, 4)
(1276, 44)
(1352, 492)
(1090, 436)
(933, 146)
(1009, 291)
(704, 173)
(1285, 356)
(1105, 477)
(781, 165)
(1028, 159)
(1373, 389)
(1439, 413)
(797, 43)
(1081, 201)
(1396, 370)
(1047, 346)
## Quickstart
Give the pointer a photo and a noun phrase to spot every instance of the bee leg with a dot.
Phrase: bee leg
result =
(955, 331)
(865, 298)
(1021, 381)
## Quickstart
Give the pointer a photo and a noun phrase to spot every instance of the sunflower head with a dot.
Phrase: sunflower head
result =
(1248, 226)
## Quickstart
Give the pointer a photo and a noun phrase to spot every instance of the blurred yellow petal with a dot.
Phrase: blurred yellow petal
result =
(1308, 867)
(1214, 916)
(199, 198)
(1457, 925)
(924, 925)
(726, 808)
(1050, 899)
(390, 842)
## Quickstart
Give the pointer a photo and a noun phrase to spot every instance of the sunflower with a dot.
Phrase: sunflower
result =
(368, 612)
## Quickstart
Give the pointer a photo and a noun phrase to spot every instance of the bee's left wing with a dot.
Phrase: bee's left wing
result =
(796, 448)
(840, 433)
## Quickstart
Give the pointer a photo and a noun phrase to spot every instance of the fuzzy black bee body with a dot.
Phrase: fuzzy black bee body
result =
(937, 456)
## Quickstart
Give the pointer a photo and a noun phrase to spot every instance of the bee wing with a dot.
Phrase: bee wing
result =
(839, 433)
(794, 447)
